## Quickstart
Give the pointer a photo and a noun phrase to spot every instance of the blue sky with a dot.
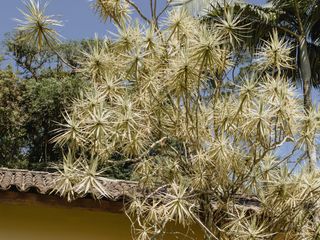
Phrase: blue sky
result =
(79, 20)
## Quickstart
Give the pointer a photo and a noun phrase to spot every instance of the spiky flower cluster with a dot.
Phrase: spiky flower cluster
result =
(203, 156)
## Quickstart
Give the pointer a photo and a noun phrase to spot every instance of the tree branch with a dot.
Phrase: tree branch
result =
(138, 11)
(286, 30)
(164, 9)
(296, 6)
(155, 10)
(59, 55)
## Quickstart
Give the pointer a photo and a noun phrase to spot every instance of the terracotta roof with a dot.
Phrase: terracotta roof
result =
(42, 182)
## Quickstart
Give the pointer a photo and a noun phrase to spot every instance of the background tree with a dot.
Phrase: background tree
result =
(44, 103)
(12, 119)
(30, 110)
(28, 59)
(32, 62)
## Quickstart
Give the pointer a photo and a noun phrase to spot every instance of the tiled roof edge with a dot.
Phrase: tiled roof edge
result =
(25, 180)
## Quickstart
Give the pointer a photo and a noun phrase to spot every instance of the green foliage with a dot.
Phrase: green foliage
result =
(44, 102)
(32, 62)
(29, 111)
(11, 120)
(26, 57)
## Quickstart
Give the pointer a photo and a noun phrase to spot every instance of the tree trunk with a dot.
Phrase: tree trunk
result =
(206, 215)
(305, 74)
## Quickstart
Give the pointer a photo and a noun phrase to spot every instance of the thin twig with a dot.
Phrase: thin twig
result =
(138, 11)
(164, 9)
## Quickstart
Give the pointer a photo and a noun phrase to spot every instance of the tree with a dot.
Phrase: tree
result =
(32, 62)
(201, 156)
(28, 59)
(11, 120)
(44, 103)
(29, 112)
